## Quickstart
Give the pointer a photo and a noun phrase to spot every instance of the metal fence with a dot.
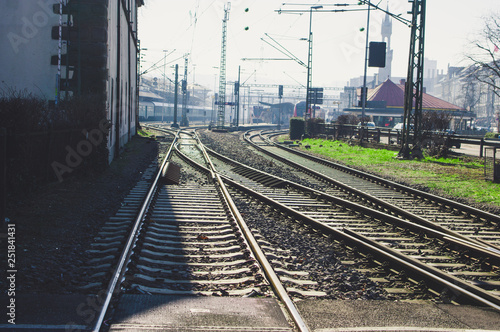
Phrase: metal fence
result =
(343, 131)
(491, 165)
(392, 136)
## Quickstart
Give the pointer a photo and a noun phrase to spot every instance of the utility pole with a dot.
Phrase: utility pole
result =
(280, 95)
(221, 110)
(164, 82)
(245, 98)
(414, 86)
(184, 120)
(364, 89)
(176, 84)
(309, 62)
(237, 99)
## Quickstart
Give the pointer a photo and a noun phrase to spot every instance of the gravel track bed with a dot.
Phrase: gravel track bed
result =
(308, 250)
(231, 146)
(303, 250)
(311, 252)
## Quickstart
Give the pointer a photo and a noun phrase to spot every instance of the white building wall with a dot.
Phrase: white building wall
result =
(122, 69)
(26, 46)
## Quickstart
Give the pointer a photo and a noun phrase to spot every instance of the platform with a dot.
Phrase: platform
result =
(194, 313)
(368, 316)
(49, 312)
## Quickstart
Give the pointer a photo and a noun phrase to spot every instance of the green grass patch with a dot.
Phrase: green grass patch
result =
(453, 176)
(144, 133)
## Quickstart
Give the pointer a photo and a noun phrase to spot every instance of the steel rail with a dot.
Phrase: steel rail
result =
(398, 210)
(259, 254)
(456, 285)
(374, 178)
(449, 235)
(120, 270)
(471, 292)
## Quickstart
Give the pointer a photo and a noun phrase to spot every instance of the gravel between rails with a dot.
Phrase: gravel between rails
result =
(231, 146)
(313, 253)
(335, 267)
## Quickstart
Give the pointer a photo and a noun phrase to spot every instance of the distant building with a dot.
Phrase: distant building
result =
(460, 86)
(348, 98)
(90, 47)
(431, 75)
(385, 105)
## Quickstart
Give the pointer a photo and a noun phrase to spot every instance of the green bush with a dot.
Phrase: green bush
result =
(40, 135)
(491, 135)
(348, 119)
(297, 128)
(315, 126)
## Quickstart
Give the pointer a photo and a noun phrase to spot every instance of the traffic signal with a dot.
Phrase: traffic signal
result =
(376, 56)
(363, 96)
(316, 96)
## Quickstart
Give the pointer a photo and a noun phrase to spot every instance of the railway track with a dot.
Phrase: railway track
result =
(192, 245)
(299, 281)
(441, 253)
(189, 239)
(113, 234)
(430, 210)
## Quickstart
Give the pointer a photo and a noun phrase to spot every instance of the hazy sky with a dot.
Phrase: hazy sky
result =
(195, 27)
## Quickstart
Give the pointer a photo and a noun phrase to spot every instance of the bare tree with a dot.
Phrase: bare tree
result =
(432, 120)
(471, 91)
(347, 119)
(485, 53)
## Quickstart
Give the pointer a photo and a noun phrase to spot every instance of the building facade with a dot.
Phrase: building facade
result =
(461, 87)
(55, 49)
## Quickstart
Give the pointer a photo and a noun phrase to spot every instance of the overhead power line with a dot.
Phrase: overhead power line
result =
(280, 48)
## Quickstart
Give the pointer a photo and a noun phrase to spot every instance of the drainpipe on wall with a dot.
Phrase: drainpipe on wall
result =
(118, 83)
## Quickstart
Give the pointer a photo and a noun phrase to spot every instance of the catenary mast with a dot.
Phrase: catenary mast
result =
(414, 88)
(221, 109)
